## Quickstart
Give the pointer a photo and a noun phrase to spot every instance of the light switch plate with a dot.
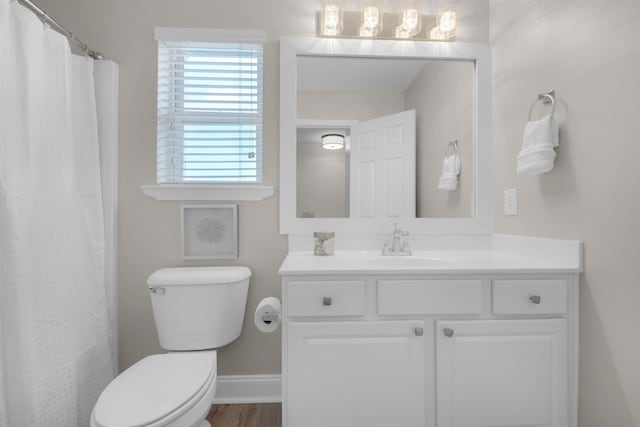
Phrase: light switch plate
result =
(511, 202)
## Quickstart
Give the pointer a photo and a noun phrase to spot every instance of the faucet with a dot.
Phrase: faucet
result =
(398, 245)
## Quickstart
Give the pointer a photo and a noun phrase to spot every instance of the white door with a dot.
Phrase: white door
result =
(507, 373)
(383, 167)
(356, 374)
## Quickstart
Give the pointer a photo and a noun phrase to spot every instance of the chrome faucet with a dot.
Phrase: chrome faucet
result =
(398, 244)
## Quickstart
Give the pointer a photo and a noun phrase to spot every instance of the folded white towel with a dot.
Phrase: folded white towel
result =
(540, 139)
(450, 171)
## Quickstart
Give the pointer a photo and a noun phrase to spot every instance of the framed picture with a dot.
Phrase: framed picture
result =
(209, 231)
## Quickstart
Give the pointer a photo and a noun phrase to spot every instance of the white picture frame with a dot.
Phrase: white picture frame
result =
(209, 231)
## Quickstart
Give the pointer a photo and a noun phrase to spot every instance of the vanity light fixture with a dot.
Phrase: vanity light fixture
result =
(371, 24)
(406, 23)
(410, 21)
(331, 18)
(332, 141)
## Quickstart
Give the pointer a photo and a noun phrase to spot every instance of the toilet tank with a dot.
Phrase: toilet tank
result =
(198, 308)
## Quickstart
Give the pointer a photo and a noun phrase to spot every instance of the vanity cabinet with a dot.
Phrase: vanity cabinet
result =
(425, 350)
(501, 373)
(356, 374)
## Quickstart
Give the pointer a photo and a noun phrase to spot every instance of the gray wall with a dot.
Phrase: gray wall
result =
(321, 181)
(442, 95)
(348, 105)
(589, 51)
(149, 230)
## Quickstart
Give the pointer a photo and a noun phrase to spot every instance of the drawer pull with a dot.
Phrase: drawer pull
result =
(327, 301)
(448, 332)
(419, 331)
(535, 299)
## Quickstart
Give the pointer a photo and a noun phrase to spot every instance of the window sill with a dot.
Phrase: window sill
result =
(239, 192)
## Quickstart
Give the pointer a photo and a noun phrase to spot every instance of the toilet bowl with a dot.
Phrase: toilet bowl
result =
(196, 310)
(173, 389)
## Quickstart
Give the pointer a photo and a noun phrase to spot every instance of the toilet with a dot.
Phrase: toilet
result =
(196, 310)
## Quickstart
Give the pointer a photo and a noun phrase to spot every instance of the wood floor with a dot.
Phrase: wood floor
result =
(251, 415)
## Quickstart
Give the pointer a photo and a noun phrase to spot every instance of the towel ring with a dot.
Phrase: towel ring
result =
(452, 148)
(546, 98)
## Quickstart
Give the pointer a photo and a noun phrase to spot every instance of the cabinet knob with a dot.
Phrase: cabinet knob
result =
(419, 331)
(448, 332)
(535, 299)
(326, 301)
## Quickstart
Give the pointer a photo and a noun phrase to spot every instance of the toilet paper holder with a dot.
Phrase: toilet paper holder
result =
(270, 317)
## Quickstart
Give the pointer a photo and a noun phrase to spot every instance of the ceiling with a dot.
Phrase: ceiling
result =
(357, 74)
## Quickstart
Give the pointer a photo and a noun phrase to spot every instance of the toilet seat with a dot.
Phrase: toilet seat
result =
(156, 390)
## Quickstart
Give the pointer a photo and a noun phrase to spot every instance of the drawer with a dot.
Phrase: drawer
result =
(429, 296)
(548, 296)
(326, 298)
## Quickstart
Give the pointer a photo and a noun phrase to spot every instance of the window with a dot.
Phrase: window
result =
(209, 108)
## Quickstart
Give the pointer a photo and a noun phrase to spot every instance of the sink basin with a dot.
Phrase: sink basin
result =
(405, 261)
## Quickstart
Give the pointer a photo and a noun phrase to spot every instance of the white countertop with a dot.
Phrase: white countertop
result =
(436, 262)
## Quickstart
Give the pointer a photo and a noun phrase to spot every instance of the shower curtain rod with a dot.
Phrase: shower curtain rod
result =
(44, 16)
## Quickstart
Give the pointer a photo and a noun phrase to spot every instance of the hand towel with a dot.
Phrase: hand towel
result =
(450, 172)
(540, 139)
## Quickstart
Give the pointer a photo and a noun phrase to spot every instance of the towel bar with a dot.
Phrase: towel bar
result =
(546, 98)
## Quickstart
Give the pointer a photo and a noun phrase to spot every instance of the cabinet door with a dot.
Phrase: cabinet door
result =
(510, 373)
(351, 374)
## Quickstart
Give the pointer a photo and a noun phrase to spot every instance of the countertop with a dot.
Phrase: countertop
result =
(420, 262)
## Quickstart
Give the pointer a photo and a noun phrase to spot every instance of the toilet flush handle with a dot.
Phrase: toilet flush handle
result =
(158, 291)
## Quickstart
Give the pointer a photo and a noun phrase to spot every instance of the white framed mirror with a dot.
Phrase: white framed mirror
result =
(384, 94)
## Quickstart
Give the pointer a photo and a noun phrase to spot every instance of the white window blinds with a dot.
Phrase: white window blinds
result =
(209, 112)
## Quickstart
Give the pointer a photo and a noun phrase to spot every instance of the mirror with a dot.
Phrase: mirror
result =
(397, 107)
(404, 113)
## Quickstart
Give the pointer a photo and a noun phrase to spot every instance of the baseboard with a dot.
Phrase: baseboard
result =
(249, 389)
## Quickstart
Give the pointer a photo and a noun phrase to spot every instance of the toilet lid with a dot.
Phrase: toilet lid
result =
(153, 388)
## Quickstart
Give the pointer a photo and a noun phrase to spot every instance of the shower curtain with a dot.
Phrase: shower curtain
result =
(55, 353)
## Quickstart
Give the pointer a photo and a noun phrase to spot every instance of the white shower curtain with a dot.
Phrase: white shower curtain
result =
(55, 354)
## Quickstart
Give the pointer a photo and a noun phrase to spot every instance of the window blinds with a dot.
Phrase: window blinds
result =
(209, 112)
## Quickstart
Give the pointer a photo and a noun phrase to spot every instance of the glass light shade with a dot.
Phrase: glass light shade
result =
(447, 19)
(332, 141)
(370, 17)
(401, 33)
(437, 34)
(371, 24)
(410, 18)
(331, 18)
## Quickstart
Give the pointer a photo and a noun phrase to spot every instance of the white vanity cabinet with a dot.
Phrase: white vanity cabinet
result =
(356, 374)
(501, 373)
(407, 350)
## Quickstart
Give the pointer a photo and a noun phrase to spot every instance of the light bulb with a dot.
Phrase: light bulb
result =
(447, 19)
(371, 24)
(371, 16)
(410, 19)
(410, 22)
(436, 33)
(332, 18)
(366, 32)
(401, 33)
